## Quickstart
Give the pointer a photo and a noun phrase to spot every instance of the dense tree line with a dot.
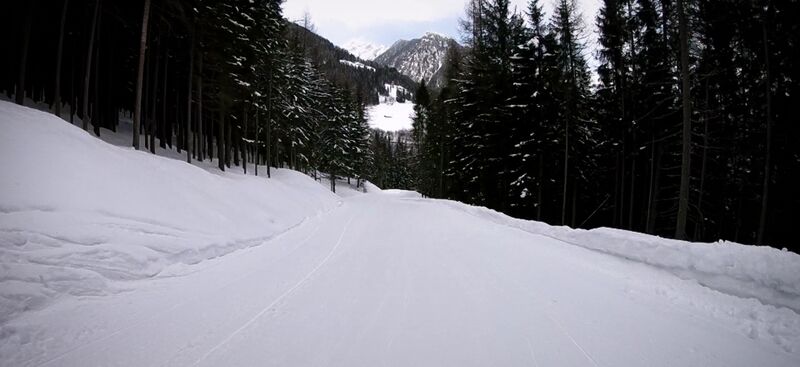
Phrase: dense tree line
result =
(220, 80)
(371, 80)
(394, 160)
(688, 131)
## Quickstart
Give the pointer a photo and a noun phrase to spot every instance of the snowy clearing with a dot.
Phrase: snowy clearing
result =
(391, 116)
(110, 256)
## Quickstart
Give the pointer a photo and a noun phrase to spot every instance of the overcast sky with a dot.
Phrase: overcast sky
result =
(386, 21)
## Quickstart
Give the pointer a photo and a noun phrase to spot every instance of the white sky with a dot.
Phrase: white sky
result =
(386, 21)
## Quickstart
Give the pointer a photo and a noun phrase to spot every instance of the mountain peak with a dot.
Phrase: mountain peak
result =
(420, 58)
(364, 49)
(435, 35)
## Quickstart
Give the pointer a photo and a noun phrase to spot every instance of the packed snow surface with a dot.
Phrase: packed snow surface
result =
(110, 256)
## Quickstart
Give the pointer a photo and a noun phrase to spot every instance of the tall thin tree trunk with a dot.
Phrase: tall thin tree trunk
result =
(686, 140)
(19, 96)
(96, 108)
(73, 100)
(441, 167)
(151, 120)
(87, 77)
(699, 228)
(137, 108)
(655, 187)
(221, 148)
(59, 56)
(632, 193)
(540, 188)
(242, 141)
(200, 138)
(269, 121)
(188, 126)
(566, 173)
(228, 146)
(762, 220)
(257, 143)
(162, 123)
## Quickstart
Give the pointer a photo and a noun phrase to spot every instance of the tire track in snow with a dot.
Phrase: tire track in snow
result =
(280, 298)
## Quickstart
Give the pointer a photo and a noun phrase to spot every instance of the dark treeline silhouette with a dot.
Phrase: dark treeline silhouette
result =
(219, 80)
(691, 131)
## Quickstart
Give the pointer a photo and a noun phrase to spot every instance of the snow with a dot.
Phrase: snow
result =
(110, 256)
(127, 215)
(391, 116)
(766, 274)
(364, 49)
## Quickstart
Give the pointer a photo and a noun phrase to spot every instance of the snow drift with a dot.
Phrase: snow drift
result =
(76, 212)
(766, 274)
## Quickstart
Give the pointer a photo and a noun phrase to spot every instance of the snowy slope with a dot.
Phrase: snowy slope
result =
(363, 49)
(77, 214)
(385, 278)
(766, 274)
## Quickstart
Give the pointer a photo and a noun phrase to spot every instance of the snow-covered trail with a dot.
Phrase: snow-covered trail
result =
(387, 280)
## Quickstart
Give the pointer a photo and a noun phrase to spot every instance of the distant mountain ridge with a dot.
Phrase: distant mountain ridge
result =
(344, 69)
(364, 50)
(420, 58)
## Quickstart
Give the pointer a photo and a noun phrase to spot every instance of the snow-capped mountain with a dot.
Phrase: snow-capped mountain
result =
(419, 58)
(364, 50)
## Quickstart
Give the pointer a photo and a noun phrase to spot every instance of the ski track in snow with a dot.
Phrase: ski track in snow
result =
(280, 298)
(143, 318)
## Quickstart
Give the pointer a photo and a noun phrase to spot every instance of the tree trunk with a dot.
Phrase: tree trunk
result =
(200, 141)
(228, 146)
(632, 193)
(151, 121)
(242, 141)
(188, 127)
(652, 214)
(221, 149)
(162, 123)
(87, 77)
(269, 120)
(137, 108)
(59, 56)
(540, 188)
(566, 174)
(686, 140)
(73, 100)
(257, 141)
(699, 227)
(762, 220)
(19, 96)
(96, 105)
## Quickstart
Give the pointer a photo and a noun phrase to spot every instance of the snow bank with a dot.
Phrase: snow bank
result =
(78, 215)
(403, 193)
(766, 274)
